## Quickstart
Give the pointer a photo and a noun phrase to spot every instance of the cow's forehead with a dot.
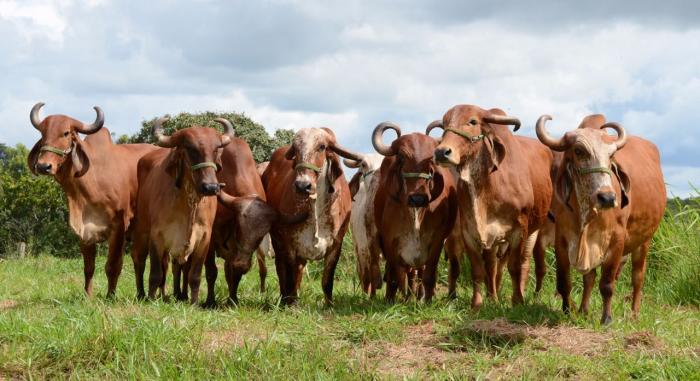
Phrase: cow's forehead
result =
(373, 160)
(462, 112)
(308, 137)
(200, 136)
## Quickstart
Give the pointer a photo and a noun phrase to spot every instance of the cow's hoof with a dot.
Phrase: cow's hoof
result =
(605, 320)
(209, 305)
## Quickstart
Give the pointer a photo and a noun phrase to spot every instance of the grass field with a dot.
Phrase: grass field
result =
(48, 329)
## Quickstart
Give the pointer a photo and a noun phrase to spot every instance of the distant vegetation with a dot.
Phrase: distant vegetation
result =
(33, 209)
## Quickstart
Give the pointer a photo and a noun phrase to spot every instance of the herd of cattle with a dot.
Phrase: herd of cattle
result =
(478, 190)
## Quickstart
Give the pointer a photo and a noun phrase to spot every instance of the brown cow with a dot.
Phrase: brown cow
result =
(265, 248)
(415, 209)
(177, 205)
(504, 193)
(305, 179)
(610, 201)
(99, 180)
(363, 187)
(241, 223)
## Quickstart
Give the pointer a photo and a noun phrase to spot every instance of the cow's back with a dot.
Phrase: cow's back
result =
(539, 159)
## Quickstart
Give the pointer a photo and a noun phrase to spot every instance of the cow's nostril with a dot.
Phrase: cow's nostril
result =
(606, 199)
(43, 168)
(442, 154)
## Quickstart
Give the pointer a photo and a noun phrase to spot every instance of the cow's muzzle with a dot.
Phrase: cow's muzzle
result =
(210, 189)
(418, 200)
(303, 187)
(444, 156)
(44, 168)
(606, 199)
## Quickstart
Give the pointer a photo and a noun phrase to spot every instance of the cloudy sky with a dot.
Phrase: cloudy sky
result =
(351, 64)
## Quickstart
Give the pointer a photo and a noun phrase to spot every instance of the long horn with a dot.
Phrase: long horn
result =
(621, 133)
(229, 132)
(560, 144)
(161, 139)
(345, 153)
(503, 119)
(95, 126)
(34, 115)
(351, 163)
(434, 124)
(377, 138)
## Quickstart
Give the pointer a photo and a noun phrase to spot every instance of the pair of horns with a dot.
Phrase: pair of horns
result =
(563, 143)
(82, 127)
(343, 152)
(491, 118)
(167, 141)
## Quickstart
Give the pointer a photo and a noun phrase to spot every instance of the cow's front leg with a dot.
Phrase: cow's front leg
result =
(88, 251)
(478, 273)
(331, 262)
(194, 275)
(639, 267)
(115, 258)
(430, 275)
(563, 273)
(588, 282)
(607, 288)
(211, 273)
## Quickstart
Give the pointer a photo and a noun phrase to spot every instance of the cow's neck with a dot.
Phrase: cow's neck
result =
(589, 242)
(474, 183)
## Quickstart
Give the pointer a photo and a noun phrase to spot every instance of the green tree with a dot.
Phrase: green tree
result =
(260, 142)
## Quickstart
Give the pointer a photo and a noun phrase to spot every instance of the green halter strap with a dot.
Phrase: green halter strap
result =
(206, 164)
(307, 166)
(587, 171)
(416, 175)
(57, 151)
(367, 174)
(472, 139)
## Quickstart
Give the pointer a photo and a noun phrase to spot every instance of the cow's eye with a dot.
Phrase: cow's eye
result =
(473, 122)
(66, 133)
(322, 147)
(579, 152)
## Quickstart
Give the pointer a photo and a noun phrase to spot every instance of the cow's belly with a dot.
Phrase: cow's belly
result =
(92, 224)
(493, 234)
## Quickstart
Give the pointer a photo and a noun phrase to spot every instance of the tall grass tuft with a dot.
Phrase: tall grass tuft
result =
(673, 271)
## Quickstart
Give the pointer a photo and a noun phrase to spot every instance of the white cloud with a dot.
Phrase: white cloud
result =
(349, 66)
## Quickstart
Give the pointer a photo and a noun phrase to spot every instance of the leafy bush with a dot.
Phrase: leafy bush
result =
(33, 209)
(259, 141)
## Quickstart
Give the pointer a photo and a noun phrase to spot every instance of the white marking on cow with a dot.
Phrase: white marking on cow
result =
(91, 223)
(362, 221)
(411, 246)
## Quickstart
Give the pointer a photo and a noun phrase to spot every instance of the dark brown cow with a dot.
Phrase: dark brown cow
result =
(265, 249)
(415, 209)
(242, 223)
(504, 193)
(177, 205)
(610, 201)
(305, 179)
(99, 180)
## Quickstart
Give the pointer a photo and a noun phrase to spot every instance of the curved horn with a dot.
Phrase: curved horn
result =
(351, 163)
(229, 132)
(377, 138)
(621, 133)
(503, 119)
(432, 125)
(345, 153)
(161, 139)
(556, 144)
(34, 115)
(95, 126)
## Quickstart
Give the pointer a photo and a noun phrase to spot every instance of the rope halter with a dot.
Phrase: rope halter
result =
(472, 139)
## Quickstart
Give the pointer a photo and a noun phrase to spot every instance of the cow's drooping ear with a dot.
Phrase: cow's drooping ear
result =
(438, 184)
(291, 152)
(394, 181)
(496, 151)
(355, 184)
(33, 157)
(174, 167)
(217, 159)
(79, 159)
(562, 183)
(625, 184)
(334, 171)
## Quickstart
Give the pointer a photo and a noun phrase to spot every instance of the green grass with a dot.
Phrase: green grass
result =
(48, 329)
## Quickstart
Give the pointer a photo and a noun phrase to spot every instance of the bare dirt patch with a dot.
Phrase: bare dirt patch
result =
(576, 341)
(8, 304)
(644, 341)
(418, 352)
